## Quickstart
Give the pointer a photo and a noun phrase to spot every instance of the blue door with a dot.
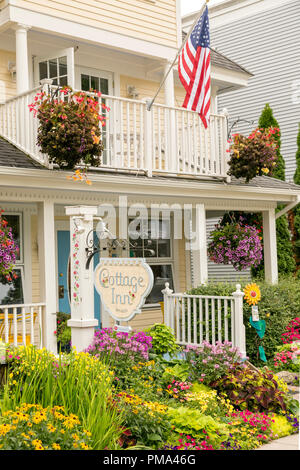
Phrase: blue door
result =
(63, 253)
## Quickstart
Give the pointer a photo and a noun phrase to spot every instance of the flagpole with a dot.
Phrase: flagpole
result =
(149, 104)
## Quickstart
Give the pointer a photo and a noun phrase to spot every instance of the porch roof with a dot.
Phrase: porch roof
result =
(11, 156)
(11, 159)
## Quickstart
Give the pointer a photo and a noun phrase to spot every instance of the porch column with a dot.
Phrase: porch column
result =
(22, 68)
(270, 246)
(82, 320)
(199, 246)
(46, 252)
(170, 125)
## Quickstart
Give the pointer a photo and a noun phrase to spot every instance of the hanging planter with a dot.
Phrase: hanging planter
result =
(254, 155)
(8, 250)
(235, 244)
(69, 127)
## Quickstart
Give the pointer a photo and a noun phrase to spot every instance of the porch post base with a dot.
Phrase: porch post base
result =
(82, 333)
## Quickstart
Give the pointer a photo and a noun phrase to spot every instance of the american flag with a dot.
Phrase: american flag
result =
(194, 69)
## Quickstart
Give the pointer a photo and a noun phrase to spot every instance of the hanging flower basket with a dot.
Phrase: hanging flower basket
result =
(254, 155)
(69, 127)
(235, 244)
(8, 250)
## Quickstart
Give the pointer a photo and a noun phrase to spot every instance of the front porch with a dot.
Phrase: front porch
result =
(41, 196)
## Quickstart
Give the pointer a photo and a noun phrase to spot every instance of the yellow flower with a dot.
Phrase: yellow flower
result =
(252, 293)
(56, 446)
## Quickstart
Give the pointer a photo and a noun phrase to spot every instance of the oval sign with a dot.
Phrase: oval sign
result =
(123, 285)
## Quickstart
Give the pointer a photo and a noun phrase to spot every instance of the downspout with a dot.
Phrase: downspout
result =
(288, 207)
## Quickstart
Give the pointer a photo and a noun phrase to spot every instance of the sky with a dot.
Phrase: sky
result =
(188, 6)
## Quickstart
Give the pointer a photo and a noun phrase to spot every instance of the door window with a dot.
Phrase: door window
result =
(56, 69)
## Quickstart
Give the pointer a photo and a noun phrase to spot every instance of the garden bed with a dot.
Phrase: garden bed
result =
(123, 394)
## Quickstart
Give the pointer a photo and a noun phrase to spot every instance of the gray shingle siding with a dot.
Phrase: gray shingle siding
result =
(267, 44)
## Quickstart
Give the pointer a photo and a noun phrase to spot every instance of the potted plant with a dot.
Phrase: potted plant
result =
(236, 244)
(69, 127)
(254, 155)
(8, 250)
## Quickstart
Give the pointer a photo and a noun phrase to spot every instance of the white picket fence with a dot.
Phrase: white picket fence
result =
(22, 324)
(165, 140)
(198, 318)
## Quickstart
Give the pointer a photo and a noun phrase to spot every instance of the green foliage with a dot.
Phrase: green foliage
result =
(193, 422)
(63, 331)
(178, 371)
(297, 172)
(266, 121)
(285, 258)
(80, 383)
(148, 422)
(163, 339)
(254, 390)
(280, 426)
(278, 306)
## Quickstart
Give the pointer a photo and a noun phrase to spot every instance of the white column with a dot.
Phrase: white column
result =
(169, 85)
(82, 320)
(270, 246)
(22, 58)
(48, 281)
(171, 159)
(239, 333)
(199, 246)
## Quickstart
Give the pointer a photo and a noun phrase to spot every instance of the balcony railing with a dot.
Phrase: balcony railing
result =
(166, 140)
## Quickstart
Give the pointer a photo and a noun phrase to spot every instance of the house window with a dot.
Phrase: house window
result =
(89, 82)
(56, 69)
(150, 239)
(13, 292)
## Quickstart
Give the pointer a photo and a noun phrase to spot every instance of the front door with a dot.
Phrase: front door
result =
(63, 271)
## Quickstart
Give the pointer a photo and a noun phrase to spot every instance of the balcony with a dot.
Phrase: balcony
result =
(163, 141)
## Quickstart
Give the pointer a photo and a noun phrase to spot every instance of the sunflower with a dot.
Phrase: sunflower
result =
(252, 294)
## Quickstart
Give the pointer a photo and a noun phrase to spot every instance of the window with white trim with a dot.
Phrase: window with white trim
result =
(150, 239)
(13, 292)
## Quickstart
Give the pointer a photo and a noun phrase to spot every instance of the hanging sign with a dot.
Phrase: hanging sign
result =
(123, 285)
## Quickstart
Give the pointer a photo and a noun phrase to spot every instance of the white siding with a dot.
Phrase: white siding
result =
(223, 272)
(268, 45)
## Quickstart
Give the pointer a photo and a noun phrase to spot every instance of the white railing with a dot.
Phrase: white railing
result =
(198, 318)
(22, 324)
(165, 140)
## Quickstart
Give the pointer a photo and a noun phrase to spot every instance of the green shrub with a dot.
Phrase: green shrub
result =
(163, 339)
(278, 306)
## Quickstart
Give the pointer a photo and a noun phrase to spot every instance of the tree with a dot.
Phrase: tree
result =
(294, 215)
(286, 262)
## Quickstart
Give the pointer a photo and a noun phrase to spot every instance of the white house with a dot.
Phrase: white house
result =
(158, 157)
